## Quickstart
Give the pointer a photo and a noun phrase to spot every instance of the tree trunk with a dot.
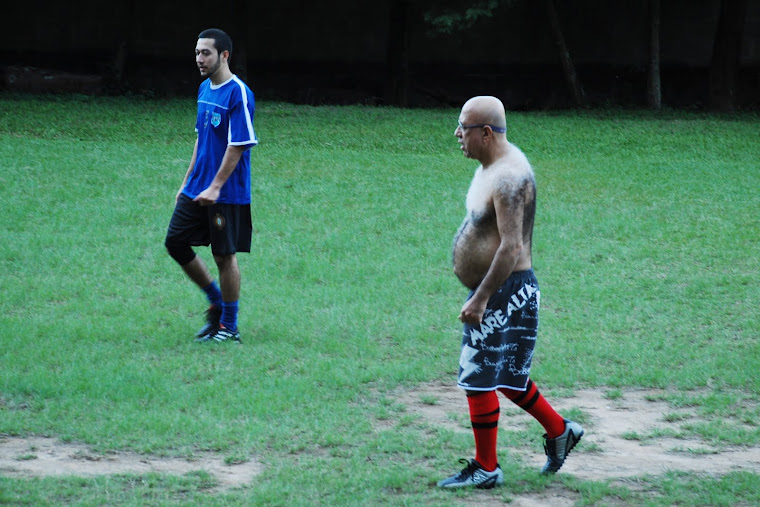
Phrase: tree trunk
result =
(397, 57)
(118, 79)
(564, 54)
(727, 47)
(239, 35)
(654, 90)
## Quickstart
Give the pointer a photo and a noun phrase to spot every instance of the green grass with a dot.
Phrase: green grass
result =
(646, 246)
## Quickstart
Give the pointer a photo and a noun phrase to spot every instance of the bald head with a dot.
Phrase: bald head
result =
(485, 110)
(482, 129)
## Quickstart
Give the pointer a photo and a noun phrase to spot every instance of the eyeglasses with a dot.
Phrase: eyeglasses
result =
(501, 130)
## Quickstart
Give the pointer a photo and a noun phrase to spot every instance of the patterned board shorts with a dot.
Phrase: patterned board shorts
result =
(498, 352)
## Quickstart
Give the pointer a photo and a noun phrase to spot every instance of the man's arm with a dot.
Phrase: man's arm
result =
(231, 157)
(509, 203)
(189, 170)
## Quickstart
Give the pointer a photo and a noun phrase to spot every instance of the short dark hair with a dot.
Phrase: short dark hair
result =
(222, 41)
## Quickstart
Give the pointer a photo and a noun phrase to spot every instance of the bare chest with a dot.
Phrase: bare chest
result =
(479, 201)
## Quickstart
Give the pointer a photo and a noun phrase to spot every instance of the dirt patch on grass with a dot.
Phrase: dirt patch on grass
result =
(622, 442)
(623, 439)
(40, 457)
(621, 434)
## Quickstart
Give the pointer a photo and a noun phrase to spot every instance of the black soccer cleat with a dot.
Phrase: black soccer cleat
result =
(558, 448)
(223, 335)
(473, 475)
(213, 315)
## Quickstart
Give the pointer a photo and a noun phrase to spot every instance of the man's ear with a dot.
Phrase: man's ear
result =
(226, 55)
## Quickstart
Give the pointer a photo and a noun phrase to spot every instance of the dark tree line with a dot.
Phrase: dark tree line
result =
(727, 48)
(449, 17)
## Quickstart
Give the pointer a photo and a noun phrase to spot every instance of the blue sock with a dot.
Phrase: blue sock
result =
(213, 294)
(229, 315)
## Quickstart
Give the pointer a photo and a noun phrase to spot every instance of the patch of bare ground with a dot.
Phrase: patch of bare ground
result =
(604, 453)
(39, 457)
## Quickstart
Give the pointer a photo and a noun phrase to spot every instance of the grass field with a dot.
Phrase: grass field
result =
(646, 247)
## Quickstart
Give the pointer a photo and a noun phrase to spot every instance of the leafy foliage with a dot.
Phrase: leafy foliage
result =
(449, 17)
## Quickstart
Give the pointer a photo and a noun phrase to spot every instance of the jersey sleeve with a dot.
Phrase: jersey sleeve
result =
(242, 108)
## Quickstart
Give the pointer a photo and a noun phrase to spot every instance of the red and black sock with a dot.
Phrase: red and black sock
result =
(534, 403)
(484, 416)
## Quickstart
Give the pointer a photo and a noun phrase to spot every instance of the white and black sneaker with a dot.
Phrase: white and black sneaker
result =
(223, 334)
(558, 448)
(213, 315)
(473, 475)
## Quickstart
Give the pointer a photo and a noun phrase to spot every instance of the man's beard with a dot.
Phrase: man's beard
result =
(213, 71)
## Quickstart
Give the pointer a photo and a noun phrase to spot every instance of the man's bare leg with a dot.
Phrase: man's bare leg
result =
(197, 271)
(229, 276)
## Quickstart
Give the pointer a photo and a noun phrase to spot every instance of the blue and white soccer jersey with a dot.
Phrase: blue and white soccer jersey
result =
(225, 117)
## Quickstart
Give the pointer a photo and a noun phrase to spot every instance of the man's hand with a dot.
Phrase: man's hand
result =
(208, 196)
(473, 310)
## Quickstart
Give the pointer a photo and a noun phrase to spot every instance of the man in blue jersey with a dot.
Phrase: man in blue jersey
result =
(213, 205)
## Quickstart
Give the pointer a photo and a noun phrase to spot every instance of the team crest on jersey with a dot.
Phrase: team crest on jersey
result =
(216, 119)
(219, 221)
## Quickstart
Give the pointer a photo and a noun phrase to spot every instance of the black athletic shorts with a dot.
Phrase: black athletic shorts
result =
(498, 352)
(226, 227)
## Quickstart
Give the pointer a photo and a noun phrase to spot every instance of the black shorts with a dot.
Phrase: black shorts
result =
(498, 352)
(226, 227)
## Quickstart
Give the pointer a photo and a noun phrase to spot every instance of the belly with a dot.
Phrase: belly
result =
(473, 252)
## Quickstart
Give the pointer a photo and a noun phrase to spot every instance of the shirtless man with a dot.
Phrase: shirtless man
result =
(492, 257)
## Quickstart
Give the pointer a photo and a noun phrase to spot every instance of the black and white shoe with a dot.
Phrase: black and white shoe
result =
(223, 335)
(473, 475)
(213, 315)
(558, 448)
